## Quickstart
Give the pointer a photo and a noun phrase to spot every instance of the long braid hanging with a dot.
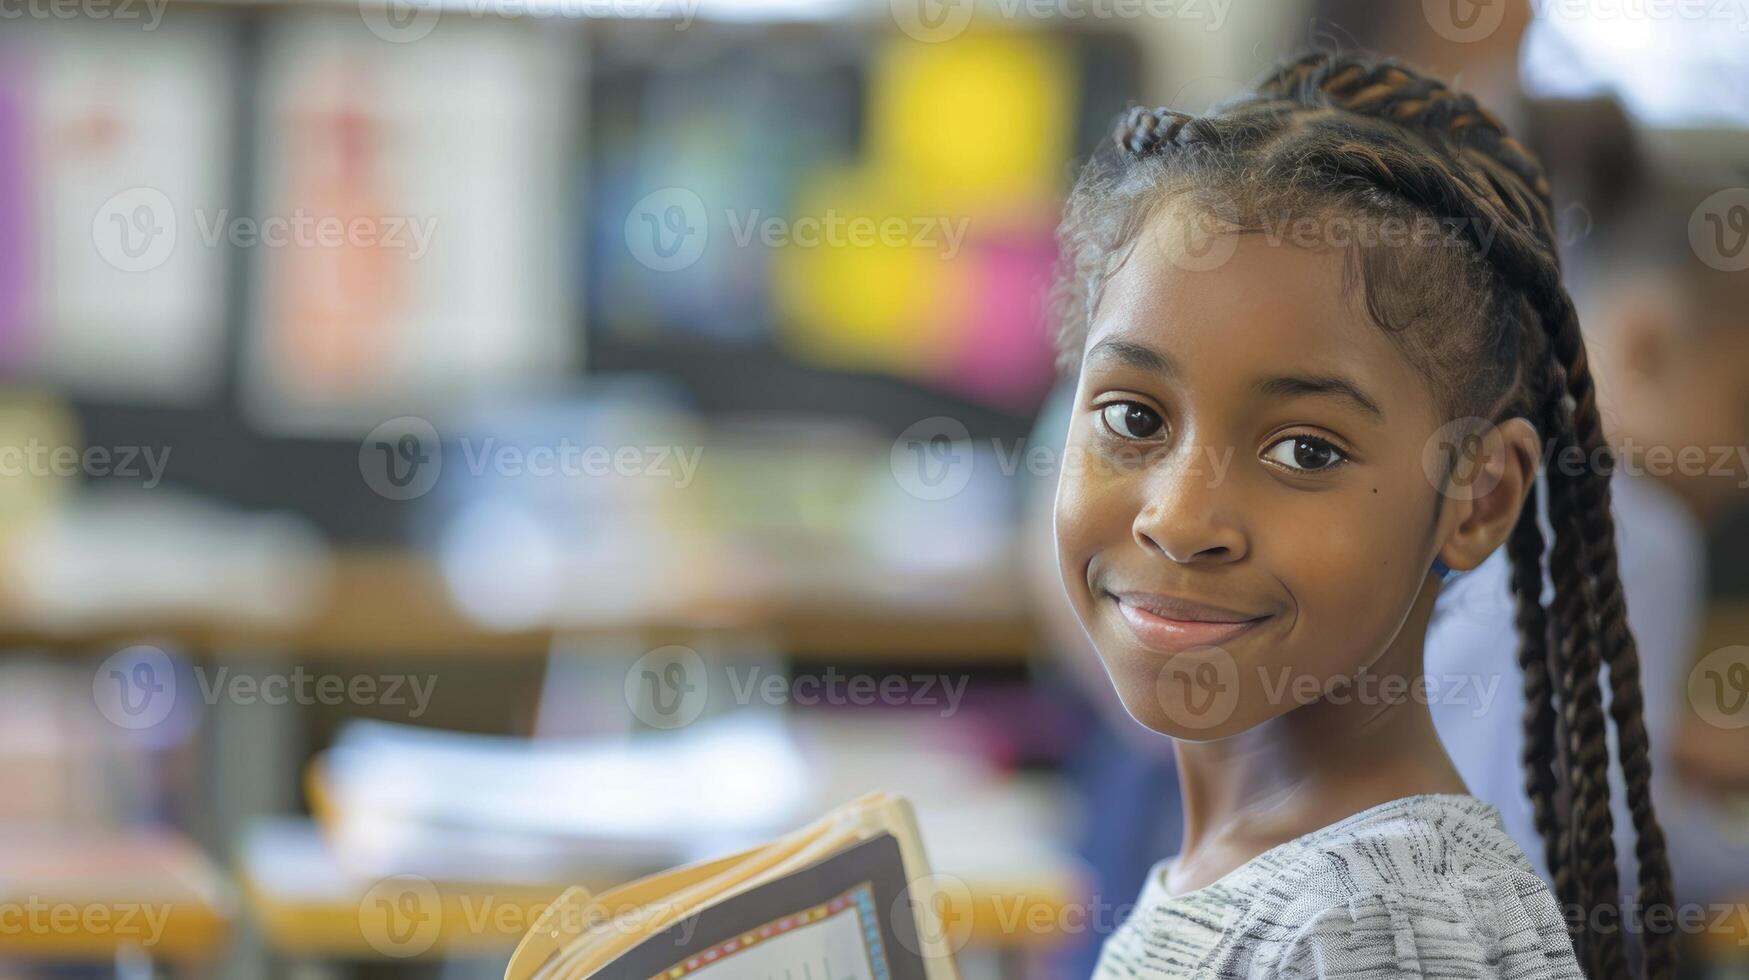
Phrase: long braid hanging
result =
(1594, 628)
(1565, 731)
(1541, 753)
(1607, 602)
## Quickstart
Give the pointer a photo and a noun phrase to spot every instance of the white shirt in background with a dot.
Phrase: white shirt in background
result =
(1477, 695)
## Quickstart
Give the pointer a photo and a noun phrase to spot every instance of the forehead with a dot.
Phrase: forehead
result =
(1270, 308)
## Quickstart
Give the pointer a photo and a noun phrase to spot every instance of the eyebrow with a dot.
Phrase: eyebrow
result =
(1285, 386)
(1323, 386)
(1136, 356)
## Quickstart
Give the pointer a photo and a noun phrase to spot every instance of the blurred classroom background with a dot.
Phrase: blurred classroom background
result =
(450, 451)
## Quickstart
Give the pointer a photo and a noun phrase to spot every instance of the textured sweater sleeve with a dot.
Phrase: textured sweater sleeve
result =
(1500, 928)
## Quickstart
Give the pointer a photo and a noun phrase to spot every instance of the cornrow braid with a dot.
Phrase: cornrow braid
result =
(1495, 334)
(1142, 132)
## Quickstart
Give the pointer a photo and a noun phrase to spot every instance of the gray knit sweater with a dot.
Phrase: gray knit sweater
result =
(1423, 886)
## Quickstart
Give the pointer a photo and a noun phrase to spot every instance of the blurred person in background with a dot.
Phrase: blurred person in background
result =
(1427, 36)
(1669, 341)
(1666, 331)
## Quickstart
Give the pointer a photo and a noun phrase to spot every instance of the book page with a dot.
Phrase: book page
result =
(848, 917)
(836, 940)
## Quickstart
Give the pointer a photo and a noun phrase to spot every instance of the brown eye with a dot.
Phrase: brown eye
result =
(1131, 420)
(1305, 453)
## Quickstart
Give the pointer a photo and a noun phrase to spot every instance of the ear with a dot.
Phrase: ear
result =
(1487, 492)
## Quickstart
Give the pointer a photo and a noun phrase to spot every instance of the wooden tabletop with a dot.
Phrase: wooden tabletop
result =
(392, 603)
(309, 907)
(84, 896)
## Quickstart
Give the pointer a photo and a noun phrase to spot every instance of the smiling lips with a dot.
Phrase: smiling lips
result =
(1167, 624)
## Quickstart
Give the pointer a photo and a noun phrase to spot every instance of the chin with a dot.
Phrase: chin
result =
(1197, 699)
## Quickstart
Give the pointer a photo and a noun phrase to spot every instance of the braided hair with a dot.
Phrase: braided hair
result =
(1482, 314)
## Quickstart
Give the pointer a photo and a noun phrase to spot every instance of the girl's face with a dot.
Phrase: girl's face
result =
(1244, 515)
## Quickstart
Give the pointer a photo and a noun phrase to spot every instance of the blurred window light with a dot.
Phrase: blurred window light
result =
(772, 10)
(683, 11)
(1674, 64)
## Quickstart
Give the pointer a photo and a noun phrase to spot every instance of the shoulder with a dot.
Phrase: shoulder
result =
(1427, 886)
(1495, 927)
(1426, 842)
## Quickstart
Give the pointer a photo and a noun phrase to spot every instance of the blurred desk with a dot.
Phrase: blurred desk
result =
(310, 908)
(392, 603)
(1726, 624)
(1723, 943)
(88, 897)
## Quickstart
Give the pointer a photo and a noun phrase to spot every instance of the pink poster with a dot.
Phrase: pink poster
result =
(15, 214)
(1003, 354)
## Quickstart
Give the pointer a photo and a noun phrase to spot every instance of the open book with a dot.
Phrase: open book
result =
(848, 897)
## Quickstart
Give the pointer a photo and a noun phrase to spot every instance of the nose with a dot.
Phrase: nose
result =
(1188, 515)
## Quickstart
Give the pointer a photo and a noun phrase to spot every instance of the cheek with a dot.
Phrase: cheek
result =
(1353, 562)
(1087, 512)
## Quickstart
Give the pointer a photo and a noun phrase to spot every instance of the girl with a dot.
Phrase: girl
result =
(1324, 351)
